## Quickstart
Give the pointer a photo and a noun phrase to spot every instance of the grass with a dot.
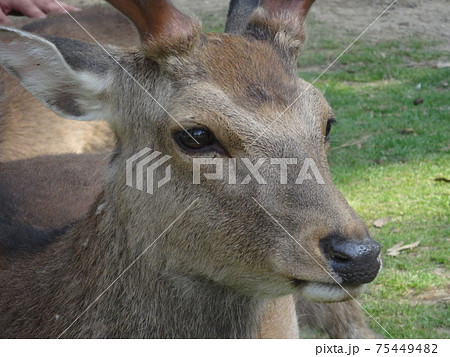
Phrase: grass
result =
(385, 155)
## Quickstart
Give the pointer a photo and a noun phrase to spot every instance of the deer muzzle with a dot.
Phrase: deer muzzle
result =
(355, 261)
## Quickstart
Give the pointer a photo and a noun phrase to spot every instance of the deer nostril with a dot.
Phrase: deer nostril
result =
(354, 260)
(339, 257)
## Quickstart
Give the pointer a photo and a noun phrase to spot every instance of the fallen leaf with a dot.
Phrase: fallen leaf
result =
(380, 222)
(441, 179)
(396, 249)
(407, 131)
(418, 101)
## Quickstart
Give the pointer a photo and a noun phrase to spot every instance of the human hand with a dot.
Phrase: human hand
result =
(31, 8)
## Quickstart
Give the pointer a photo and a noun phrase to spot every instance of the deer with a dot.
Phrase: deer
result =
(226, 278)
(51, 192)
(46, 203)
(47, 133)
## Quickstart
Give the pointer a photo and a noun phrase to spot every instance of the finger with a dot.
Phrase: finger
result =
(3, 18)
(28, 8)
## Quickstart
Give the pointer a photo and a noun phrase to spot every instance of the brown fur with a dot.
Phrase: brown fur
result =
(25, 123)
(105, 24)
(53, 191)
(227, 301)
(24, 128)
(335, 320)
(279, 319)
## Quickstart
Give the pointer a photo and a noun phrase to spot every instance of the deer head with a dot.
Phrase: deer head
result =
(192, 95)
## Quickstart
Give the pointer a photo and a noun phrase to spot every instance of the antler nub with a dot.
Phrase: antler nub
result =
(155, 19)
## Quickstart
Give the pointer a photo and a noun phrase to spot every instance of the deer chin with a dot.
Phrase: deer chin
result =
(327, 292)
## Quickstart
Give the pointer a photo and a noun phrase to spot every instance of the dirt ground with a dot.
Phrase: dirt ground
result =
(406, 18)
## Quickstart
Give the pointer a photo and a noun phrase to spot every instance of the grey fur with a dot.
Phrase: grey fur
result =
(239, 13)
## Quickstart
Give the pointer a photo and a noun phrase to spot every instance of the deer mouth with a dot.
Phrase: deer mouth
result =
(327, 292)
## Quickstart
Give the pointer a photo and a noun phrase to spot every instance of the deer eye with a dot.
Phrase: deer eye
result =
(330, 123)
(195, 139)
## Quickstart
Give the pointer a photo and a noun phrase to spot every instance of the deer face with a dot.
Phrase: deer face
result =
(227, 97)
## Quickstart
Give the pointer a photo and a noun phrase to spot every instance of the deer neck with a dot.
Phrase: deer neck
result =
(147, 298)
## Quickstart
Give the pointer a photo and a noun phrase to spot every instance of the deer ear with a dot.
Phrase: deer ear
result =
(64, 75)
(282, 23)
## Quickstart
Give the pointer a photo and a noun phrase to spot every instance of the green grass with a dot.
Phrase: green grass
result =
(384, 157)
(385, 154)
(213, 23)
